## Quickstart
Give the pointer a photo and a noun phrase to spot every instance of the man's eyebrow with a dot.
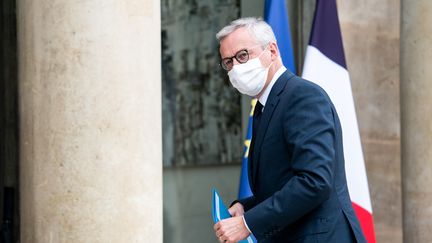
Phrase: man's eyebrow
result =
(240, 49)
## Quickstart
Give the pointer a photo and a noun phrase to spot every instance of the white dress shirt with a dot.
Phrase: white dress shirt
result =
(266, 93)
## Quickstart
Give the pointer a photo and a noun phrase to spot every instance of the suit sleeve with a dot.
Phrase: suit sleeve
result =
(247, 203)
(309, 129)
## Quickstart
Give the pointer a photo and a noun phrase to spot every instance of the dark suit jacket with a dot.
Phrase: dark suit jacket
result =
(296, 169)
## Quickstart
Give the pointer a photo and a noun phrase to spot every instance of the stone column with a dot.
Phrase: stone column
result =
(416, 110)
(90, 130)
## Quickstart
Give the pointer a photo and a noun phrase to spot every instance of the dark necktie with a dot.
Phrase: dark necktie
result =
(255, 124)
(256, 118)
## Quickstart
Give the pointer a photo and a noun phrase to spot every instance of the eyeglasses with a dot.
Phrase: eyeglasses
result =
(241, 56)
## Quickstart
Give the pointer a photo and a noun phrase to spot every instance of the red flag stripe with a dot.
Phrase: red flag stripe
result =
(366, 222)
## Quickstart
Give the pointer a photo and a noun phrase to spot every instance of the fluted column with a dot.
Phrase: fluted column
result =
(416, 110)
(90, 130)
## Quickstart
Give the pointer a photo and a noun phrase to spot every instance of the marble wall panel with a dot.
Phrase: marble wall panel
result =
(201, 111)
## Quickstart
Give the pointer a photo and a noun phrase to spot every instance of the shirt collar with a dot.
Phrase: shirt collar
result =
(266, 93)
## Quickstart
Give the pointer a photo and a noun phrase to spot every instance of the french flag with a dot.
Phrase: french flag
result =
(325, 65)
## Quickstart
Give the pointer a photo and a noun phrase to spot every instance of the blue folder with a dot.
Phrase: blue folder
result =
(220, 211)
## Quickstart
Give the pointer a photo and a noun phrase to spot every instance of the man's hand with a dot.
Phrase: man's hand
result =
(236, 210)
(231, 230)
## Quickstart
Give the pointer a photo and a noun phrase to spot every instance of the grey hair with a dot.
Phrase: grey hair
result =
(257, 27)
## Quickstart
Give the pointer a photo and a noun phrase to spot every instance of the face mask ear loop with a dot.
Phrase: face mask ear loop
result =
(265, 49)
(271, 63)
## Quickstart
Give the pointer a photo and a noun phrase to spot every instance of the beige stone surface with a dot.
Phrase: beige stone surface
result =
(385, 187)
(91, 150)
(371, 35)
(416, 100)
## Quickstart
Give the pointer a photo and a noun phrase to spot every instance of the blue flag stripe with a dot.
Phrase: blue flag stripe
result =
(326, 33)
(276, 15)
(245, 190)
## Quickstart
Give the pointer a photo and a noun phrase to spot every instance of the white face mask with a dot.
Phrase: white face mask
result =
(249, 78)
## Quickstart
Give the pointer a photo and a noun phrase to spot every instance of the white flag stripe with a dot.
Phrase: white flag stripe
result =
(334, 79)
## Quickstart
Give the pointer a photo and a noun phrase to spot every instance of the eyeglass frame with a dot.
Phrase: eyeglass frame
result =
(235, 57)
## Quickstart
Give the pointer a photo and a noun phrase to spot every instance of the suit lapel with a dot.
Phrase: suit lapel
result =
(271, 104)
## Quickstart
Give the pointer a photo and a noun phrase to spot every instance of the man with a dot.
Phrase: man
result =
(296, 162)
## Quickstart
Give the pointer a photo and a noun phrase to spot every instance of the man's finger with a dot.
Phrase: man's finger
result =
(221, 233)
(216, 226)
(233, 212)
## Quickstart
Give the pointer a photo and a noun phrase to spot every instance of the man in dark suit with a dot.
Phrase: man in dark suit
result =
(296, 162)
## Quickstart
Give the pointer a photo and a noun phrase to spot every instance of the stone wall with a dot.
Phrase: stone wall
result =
(371, 36)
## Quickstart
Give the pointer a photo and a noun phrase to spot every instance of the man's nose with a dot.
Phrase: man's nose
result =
(235, 62)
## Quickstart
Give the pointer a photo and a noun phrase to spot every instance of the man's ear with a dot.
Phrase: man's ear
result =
(274, 50)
